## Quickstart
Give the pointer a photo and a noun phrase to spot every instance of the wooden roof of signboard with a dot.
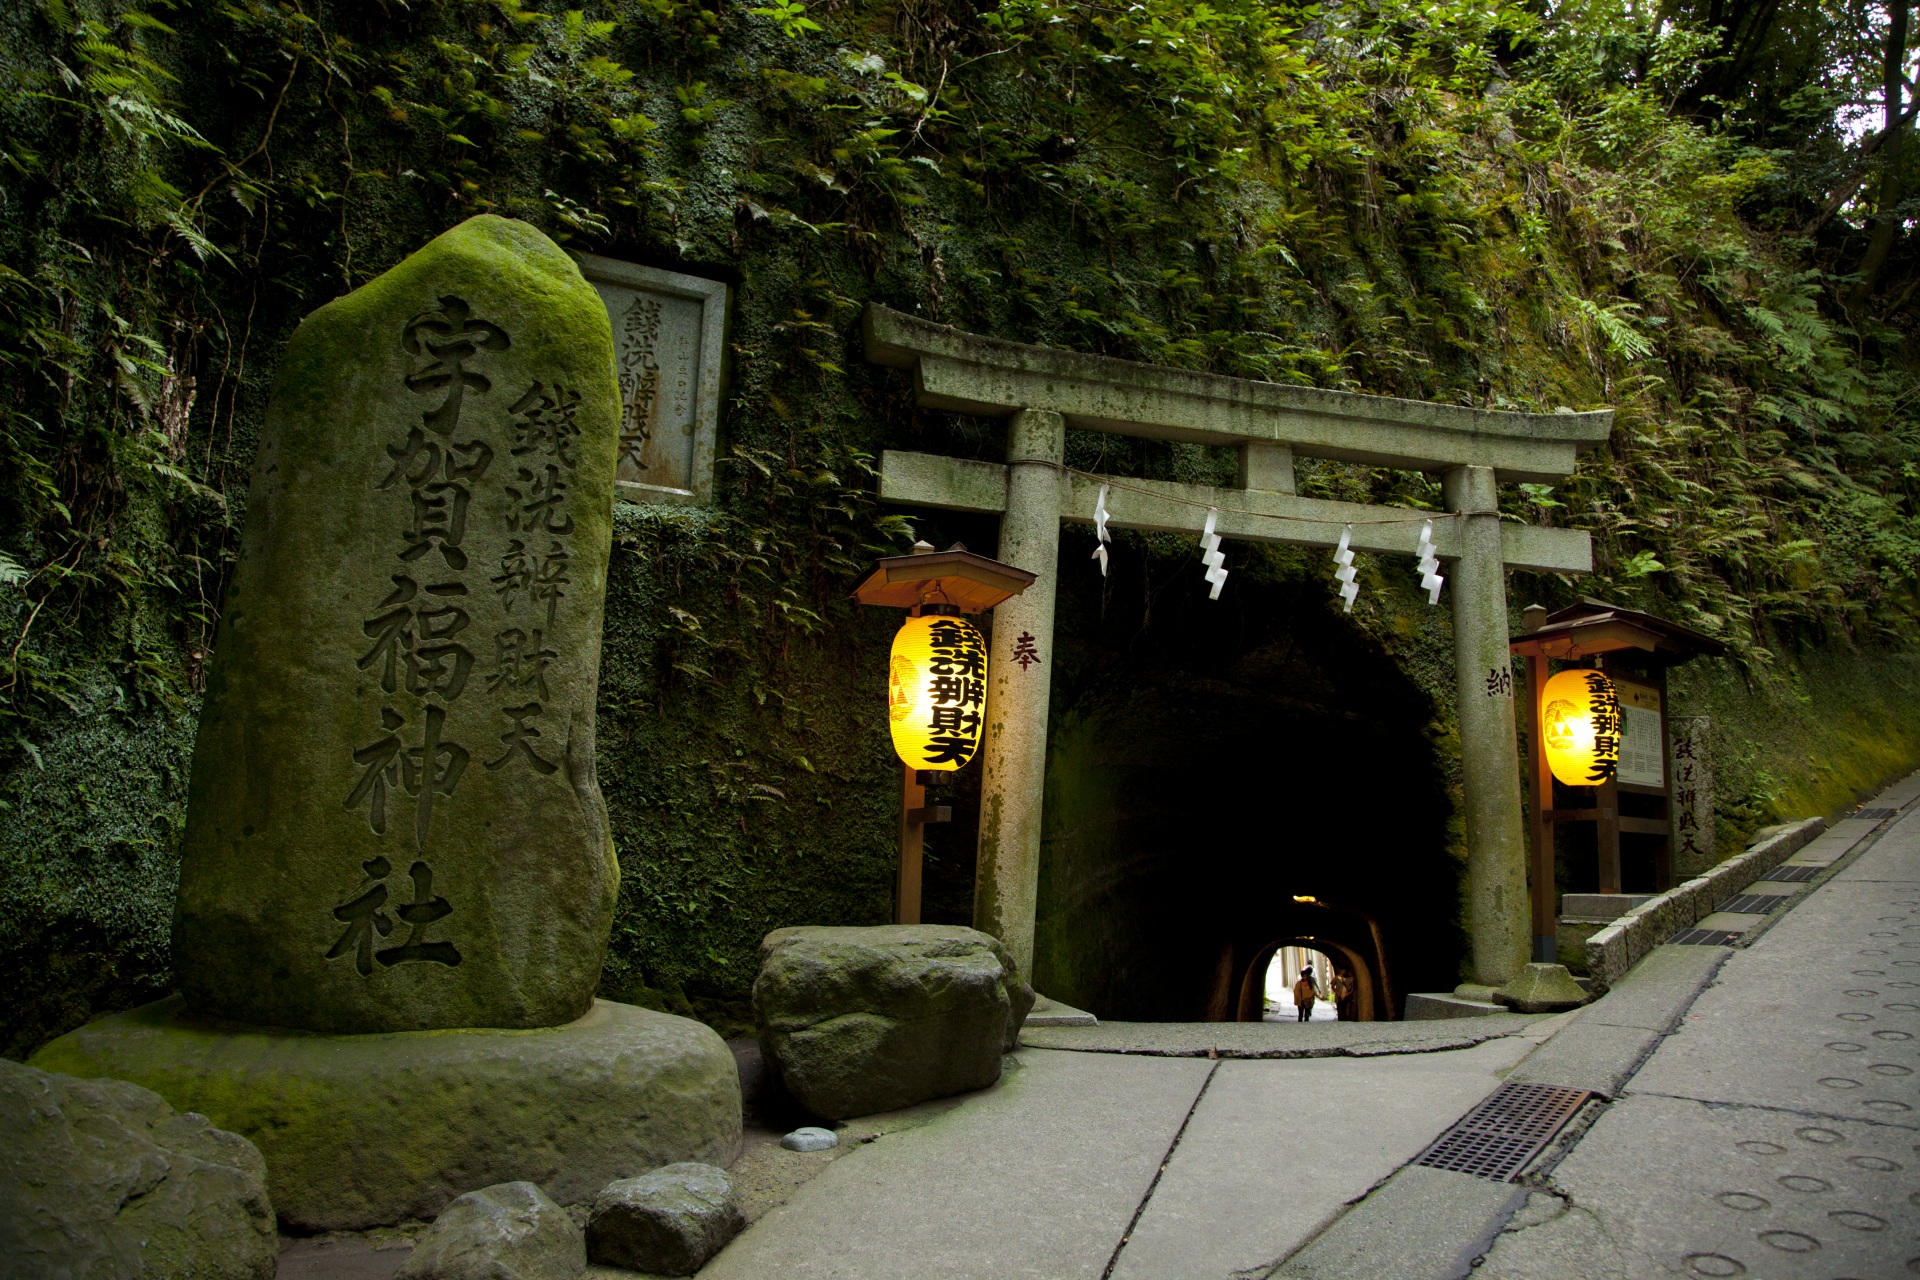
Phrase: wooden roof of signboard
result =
(1595, 626)
(971, 583)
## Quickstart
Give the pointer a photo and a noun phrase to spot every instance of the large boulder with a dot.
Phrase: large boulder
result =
(864, 1020)
(101, 1178)
(366, 1131)
(667, 1223)
(509, 1232)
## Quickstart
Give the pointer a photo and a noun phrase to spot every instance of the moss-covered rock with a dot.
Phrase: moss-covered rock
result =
(394, 821)
(866, 1020)
(103, 1178)
(668, 1222)
(509, 1232)
(370, 1130)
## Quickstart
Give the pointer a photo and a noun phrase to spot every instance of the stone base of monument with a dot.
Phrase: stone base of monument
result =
(370, 1130)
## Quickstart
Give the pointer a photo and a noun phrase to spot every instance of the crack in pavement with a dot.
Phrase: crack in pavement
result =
(1719, 1104)
(1159, 1173)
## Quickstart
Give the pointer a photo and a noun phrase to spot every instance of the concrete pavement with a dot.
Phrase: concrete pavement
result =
(1776, 1131)
(1058, 1171)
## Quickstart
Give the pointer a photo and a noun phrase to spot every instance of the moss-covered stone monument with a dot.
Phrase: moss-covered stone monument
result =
(394, 828)
(393, 822)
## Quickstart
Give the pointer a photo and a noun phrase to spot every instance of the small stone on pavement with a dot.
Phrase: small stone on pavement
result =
(810, 1138)
(507, 1232)
(668, 1222)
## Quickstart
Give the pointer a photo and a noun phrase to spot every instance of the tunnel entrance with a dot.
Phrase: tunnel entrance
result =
(1228, 778)
(1291, 963)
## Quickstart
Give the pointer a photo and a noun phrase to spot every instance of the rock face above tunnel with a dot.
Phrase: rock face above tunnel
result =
(103, 1178)
(860, 1020)
(393, 822)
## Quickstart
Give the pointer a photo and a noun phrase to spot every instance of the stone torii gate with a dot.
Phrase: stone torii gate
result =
(1042, 391)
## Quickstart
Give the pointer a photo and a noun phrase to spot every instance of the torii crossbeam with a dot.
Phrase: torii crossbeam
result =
(1042, 391)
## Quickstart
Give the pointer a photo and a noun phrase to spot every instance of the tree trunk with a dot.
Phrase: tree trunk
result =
(1886, 218)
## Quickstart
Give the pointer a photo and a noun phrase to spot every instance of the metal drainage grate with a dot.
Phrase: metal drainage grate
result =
(1753, 904)
(1703, 938)
(1877, 815)
(1497, 1138)
(1792, 874)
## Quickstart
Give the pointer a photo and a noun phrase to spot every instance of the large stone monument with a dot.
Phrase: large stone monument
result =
(393, 822)
(393, 827)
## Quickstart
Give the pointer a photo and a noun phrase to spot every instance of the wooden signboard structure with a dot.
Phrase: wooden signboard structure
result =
(1635, 650)
(962, 581)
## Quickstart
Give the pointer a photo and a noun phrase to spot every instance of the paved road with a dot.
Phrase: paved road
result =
(1048, 1174)
(1776, 1132)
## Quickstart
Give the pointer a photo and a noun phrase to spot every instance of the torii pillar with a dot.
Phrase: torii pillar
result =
(1040, 392)
(1499, 912)
(1006, 886)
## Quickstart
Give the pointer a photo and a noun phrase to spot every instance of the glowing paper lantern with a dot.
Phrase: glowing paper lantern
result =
(937, 692)
(1580, 727)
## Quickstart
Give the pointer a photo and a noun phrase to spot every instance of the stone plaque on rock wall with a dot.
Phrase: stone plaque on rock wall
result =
(1693, 834)
(669, 334)
(393, 822)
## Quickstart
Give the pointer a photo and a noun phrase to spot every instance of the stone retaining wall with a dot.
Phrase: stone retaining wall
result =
(1618, 947)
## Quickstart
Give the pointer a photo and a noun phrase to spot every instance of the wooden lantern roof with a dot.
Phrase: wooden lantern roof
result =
(1595, 626)
(971, 583)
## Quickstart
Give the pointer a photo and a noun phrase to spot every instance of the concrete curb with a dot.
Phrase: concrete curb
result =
(1621, 945)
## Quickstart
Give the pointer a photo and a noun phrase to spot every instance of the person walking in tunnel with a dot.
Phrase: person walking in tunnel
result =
(1304, 993)
(1343, 992)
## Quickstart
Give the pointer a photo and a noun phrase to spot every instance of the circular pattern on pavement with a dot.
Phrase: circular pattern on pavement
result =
(1890, 1069)
(1846, 1046)
(1854, 1017)
(1813, 1133)
(1744, 1201)
(1803, 1182)
(1755, 1146)
(1714, 1264)
(1876, 1163)
(1790, 1241)
(1893, 1035)
(1859, 1221)
(1839, 1082)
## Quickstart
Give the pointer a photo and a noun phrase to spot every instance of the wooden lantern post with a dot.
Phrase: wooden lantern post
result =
(1635, 650)
(960, 581)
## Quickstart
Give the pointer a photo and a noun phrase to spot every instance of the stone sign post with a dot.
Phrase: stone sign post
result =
(1690, 743)
(393, 822)
(1042, 392)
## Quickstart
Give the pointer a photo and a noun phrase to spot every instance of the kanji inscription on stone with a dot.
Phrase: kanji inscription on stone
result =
(668, 331)
(393, 822)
